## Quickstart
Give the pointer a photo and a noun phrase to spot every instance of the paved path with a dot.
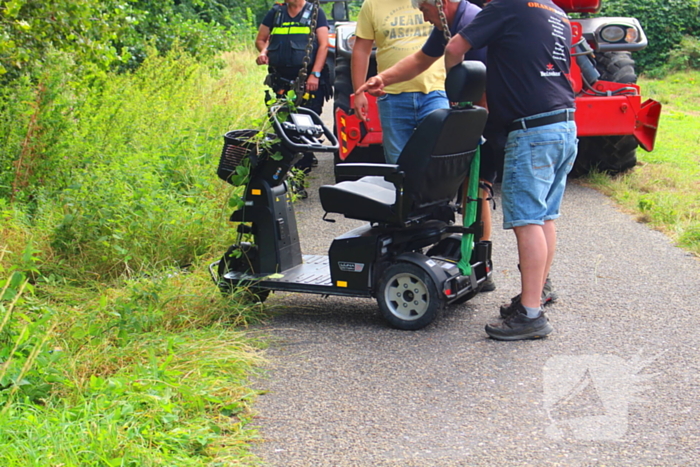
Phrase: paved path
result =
(617, 383)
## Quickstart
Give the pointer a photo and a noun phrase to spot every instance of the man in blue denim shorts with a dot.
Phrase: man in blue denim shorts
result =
(530, 99)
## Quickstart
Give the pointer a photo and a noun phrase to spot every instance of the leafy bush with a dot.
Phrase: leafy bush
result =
(85, 28)
(168, 26)
(100, 35)
(664, 21)
(686, 56)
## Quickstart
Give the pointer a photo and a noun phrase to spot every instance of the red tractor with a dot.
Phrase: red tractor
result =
(611, 118)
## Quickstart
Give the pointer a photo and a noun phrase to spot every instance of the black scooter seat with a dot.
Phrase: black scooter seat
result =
(369, 198)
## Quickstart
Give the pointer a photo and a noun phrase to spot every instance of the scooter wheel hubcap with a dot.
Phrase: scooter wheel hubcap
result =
(407, 296)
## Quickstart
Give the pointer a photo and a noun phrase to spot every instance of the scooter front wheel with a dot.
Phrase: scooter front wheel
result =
(408, 297)
(235, 261)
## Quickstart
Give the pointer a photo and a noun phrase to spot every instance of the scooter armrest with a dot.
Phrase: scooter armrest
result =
(367, 169)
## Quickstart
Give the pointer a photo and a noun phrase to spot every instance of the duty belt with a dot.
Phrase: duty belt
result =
(524, 124)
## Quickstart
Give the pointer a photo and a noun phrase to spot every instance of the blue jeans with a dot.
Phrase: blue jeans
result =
(400, 114)
(537, 161)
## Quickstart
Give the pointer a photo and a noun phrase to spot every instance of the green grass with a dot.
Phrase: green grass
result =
(116, 348)
(664, 189)
(151, 371)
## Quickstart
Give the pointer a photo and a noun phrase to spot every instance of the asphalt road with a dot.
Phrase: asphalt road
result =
(617, 383)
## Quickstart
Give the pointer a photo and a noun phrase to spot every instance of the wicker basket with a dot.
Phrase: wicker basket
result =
(237, 147)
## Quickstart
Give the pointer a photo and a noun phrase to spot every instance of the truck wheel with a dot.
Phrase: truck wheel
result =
(610, 154)
(408, 297)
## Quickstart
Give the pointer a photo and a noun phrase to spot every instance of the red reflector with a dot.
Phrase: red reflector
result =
(448, 292)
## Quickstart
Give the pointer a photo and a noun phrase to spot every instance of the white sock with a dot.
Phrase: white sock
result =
(532, 313)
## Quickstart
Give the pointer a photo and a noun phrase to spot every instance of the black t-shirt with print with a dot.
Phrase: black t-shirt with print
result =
(528, 58)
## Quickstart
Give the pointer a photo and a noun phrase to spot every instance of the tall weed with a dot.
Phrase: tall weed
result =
(27, 367)
(34, 119)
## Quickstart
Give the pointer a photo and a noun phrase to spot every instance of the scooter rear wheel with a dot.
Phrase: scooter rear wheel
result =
(408, 297)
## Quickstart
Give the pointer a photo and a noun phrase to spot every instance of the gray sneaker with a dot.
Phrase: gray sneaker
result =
(549, 296)
(518, 326)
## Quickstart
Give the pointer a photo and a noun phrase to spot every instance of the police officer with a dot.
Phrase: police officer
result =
(282, 40)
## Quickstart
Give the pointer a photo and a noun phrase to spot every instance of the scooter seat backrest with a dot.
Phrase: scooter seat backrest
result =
(466, 82)
(437, 157)
(431, 168)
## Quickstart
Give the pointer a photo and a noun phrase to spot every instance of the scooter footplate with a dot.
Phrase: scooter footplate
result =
(312, 276)
(313, 271)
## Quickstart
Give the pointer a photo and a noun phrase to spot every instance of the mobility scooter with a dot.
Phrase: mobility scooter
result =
(410, 256)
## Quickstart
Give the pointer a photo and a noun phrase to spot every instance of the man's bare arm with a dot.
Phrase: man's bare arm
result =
(361, 52)
(455, 50)
(322, 52)
(406, 69)
(261, 42)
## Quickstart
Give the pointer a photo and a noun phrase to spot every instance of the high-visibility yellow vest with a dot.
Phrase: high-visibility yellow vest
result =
(288, 38)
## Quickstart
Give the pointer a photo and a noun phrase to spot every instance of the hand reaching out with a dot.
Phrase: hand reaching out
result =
(374, 86)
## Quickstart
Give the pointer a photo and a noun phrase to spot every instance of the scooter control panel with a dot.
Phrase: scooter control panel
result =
(302, 125)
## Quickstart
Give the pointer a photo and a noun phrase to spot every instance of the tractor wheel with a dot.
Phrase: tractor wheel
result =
(616, 66)
(330, 63)
(610, 154)
(231, 262)
(408, 297)
(342, 84)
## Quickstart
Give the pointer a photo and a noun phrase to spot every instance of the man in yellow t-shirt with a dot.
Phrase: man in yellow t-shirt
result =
(398, 29)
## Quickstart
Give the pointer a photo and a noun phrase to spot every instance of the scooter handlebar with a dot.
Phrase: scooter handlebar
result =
(306, 141)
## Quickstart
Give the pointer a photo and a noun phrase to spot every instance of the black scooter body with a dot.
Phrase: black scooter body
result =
(418, 285)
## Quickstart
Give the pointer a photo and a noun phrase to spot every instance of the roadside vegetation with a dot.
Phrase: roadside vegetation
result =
(664, 189)
(116, 348)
